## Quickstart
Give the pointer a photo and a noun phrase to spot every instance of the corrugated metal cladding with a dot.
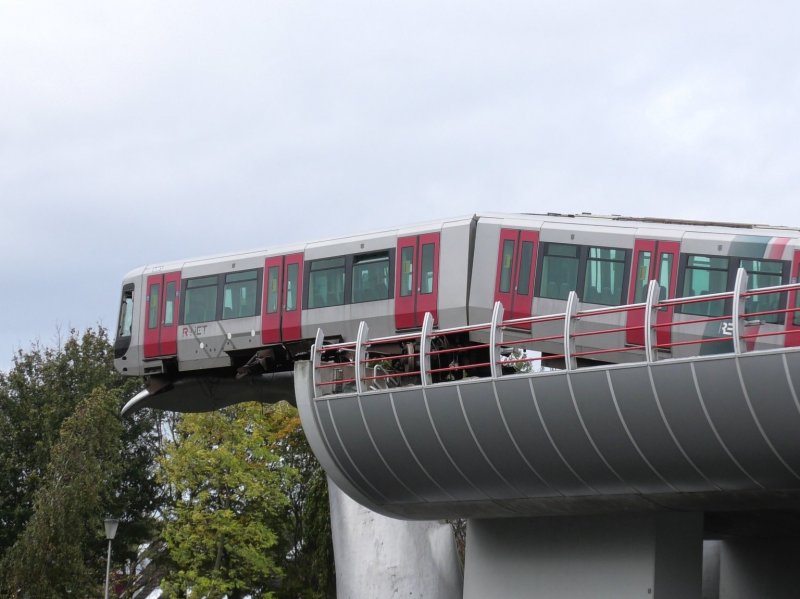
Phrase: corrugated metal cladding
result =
(705, 434)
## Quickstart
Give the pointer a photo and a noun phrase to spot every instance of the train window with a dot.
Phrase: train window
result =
(605, 270)
(705, 275)
(152, 316)
(796, 319)
(169, 306)
(665, 275)
(200, 300)
(426, 276)
(524, 278)
(371, 277)
(763, 273)
(326, 283)
(272, 289)
(291, 287)
(126, 315)
(505, 266)
(407, 271)
(559, 270)
(642, 276)
(239, 294)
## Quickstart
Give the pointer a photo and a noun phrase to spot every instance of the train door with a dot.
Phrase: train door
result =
(516, 265)
(280, 310)
(793, 318)
(161, 315)
(417, 279)
(652, 260)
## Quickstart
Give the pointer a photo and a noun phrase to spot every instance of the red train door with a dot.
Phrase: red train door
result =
(161, 315)
(793, 318)
(652, 260)
(416, 279)
(516, 266)
(281, 307)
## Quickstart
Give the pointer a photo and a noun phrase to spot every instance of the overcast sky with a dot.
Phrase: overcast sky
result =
(141, 132)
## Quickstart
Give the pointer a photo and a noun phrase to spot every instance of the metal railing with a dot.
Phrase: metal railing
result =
(360, 366)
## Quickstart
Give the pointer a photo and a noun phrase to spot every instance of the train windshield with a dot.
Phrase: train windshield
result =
(125, 314)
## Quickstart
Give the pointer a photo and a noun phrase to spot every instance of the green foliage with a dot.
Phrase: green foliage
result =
(57, 554)
(250, 512)
(221, 530)
(42, 401)
(308, 548)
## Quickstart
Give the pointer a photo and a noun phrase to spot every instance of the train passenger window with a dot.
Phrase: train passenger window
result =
(326, 283)
(291, 287)
(506, 264)
(407, 272)
(705, 275)
(371, 277)
(152, 315)
(605, 270)
(764, 273)
(272, 289)
(126, 315)
(795, 320)
(200, 300)
(642, 276)
(426, 276)
(169, 306)
(524, 278)
(239, 294)
(665, 275)
(559, 270)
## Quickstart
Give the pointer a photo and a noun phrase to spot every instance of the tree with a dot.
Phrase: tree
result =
(222, 530)
(60, 551)
(37, 397)
(308, 562)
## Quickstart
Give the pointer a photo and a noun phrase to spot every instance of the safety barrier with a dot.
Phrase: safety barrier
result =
(360, 366)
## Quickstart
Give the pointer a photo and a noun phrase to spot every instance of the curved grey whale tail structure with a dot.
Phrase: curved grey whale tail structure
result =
(209, 393)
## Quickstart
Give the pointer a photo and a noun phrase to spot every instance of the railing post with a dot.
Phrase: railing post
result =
(569, 323)
(360, 367)
(425, 350)
(316, 356)
(495, 339)
(737, 310)
(650, 318)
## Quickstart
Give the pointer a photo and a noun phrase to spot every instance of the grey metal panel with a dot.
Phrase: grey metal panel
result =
(792, 364)
(685, 416)
(379, 417)
(412, 415)
(554, 399)
(361, 451)
(481, 408)
(448, 417)
(526, 427)
(727, 407)
(339, 454)
(601, 419)
(640, 410)
(776, 410)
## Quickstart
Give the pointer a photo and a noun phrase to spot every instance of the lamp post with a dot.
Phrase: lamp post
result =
(111, 531)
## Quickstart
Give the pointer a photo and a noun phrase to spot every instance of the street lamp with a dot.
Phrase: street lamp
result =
(111, 531)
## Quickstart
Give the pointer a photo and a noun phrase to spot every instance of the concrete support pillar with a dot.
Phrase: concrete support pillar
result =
(383, 557)
(632, 556)
(765, 568)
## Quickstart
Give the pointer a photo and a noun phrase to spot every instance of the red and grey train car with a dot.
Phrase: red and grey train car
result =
(258, 311)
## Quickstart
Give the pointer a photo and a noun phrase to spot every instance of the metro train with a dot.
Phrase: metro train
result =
(244, 315)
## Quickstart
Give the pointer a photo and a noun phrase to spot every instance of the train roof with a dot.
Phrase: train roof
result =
(671, 225)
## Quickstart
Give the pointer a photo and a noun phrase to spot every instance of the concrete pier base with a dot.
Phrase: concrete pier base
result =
(387, 558)
(745, 568)
(631, 556)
